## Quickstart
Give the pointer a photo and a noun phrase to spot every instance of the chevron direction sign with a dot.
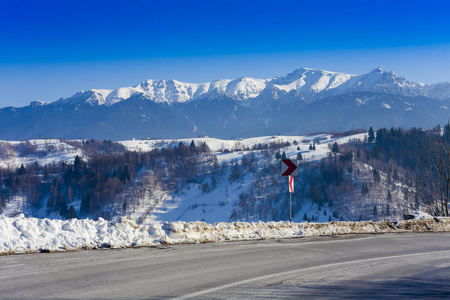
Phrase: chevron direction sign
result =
(288, 168)
(291, 184)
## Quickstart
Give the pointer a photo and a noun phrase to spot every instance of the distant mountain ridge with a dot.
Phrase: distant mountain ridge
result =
(305, 100)
(306, 84)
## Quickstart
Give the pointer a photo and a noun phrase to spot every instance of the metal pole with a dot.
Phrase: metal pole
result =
(290, 207)
(290, 199)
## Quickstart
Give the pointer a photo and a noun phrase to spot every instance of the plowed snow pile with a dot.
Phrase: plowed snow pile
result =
(22, 235)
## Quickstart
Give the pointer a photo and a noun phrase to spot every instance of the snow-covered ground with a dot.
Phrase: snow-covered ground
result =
(55, 150)
(49, 151)
(22, 235)
(219, 146)
(191, 204)
(217, 206)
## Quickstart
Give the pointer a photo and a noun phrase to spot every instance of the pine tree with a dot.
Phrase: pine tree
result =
(371, 137)
(77, 163)
(283, 156)
(278, 155)
(381, 134)
(50, 202)
(192, 146)
(86, 204)
(447, 129)
(335, 148)
(71, 214)
(376, 175)
(310, 147)
(2, 201)
(61, 205)
(299, 156)
(314, 147)
(22, 170)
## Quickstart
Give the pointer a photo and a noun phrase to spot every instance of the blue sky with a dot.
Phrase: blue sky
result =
(52, 49)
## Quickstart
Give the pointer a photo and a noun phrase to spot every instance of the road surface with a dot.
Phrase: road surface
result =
(354, 266)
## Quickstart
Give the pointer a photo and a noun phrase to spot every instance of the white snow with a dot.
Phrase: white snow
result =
(385, 105)
(218, 146)
(52, 151)
(218, 205)
(308, 84)
(23, 235)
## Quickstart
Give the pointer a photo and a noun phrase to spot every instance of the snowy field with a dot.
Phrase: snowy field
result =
(218, 146)
(55, 150)
(49, 151)
(26, 235)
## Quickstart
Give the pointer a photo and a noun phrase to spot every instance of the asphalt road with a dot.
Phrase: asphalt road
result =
(401, 266)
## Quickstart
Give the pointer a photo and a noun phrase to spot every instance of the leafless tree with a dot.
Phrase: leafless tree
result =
(433, 175)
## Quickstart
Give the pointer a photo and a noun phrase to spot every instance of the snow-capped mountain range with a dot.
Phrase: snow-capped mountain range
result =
(303, 101)
(306, 84)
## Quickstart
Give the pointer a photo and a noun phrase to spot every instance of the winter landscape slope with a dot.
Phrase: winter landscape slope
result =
(302, 101)
(158, 215)
(243, 172)
(189, 204)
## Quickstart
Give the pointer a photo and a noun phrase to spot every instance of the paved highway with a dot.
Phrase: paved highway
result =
(354, 266)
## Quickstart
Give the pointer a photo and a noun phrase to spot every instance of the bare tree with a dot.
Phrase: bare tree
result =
(433, 175)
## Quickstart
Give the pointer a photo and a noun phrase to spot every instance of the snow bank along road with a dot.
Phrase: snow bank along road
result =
(389, 265)
(22, 235)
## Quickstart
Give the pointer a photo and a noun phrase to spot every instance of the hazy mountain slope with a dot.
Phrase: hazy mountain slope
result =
(137, 117)
(362, 110)
(223, 117)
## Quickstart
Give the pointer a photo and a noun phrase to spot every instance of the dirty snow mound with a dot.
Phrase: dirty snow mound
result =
(23, 235)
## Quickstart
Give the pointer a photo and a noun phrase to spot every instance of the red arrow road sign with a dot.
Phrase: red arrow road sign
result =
(291, 184)
(288, 168)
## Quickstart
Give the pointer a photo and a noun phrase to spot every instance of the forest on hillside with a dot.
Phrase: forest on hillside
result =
(372, 179)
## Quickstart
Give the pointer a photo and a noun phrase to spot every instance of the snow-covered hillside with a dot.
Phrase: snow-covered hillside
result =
(198, 179)
(218, 205)
(42, 151)
(219, 146)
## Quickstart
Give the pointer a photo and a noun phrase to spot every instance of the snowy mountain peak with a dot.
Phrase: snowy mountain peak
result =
(37, 103)
(377, 70)
(302, 84)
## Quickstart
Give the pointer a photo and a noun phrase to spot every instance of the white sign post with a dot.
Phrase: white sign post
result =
(291, 191)
(288, 168)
